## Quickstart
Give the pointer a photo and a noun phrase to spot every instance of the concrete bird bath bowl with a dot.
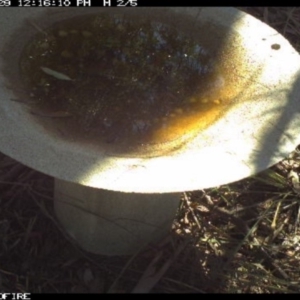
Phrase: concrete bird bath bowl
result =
(126, 108)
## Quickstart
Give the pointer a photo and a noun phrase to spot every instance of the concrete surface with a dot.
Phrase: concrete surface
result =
(258, 131)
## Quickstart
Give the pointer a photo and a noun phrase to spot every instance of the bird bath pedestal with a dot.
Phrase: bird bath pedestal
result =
(115, 202)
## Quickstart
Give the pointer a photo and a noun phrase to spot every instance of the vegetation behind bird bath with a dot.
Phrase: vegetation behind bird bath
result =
(124, 83)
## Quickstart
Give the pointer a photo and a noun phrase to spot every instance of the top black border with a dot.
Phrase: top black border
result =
(131, 3)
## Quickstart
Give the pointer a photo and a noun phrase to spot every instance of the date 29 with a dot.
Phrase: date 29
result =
(5, 3)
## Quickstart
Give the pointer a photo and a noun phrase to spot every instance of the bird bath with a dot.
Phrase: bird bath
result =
(127, 108)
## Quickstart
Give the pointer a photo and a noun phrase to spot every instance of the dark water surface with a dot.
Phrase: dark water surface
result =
(128, 84)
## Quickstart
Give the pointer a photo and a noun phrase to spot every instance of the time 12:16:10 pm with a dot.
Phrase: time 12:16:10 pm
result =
(44, 3)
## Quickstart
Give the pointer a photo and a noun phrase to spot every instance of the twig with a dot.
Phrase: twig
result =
(273, 225)
(152, 275)
(191, 210)
(297, 220)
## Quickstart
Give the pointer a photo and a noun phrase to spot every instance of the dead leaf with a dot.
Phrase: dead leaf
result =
(55, 74)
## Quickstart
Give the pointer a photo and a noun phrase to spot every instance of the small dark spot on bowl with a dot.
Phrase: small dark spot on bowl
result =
(275, 46)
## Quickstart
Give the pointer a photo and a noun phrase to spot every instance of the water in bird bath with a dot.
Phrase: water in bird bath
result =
(129, 85)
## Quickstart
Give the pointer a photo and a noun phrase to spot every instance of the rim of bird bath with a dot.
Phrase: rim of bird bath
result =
(258, 129)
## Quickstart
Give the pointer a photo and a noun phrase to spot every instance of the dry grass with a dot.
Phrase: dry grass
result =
(242, 237)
